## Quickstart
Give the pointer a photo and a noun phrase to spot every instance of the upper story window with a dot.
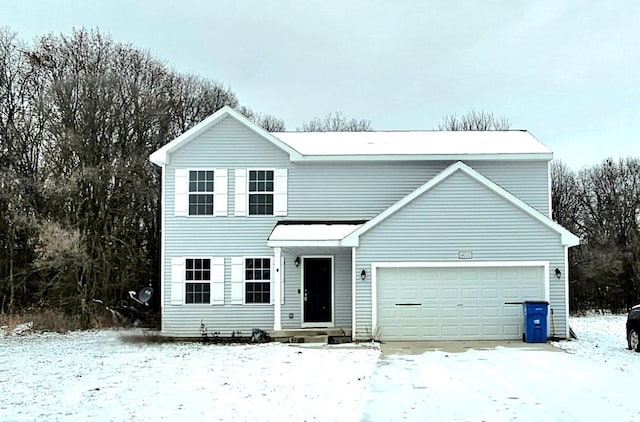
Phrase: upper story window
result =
(201, 192)
(261, 188)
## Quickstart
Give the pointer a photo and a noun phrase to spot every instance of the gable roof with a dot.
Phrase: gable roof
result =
(386, 145)
(432, 145)
(567, 238)
(160, 157)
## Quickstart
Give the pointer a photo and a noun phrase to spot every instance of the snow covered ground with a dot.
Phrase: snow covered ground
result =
(96, 376)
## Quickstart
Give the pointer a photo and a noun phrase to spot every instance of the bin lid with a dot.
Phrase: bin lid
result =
(535, 302)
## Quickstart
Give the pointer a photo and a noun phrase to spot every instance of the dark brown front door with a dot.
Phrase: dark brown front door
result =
(317, 290)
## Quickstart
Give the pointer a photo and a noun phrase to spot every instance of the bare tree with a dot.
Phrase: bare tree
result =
(474, 120)
(566, 197)
(266, 121)
(336, 122)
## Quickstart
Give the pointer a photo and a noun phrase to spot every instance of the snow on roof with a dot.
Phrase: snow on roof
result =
(443, 143)
(312, 231)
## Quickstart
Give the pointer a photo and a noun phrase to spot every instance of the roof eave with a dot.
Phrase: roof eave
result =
(303, 243)
(544, 156)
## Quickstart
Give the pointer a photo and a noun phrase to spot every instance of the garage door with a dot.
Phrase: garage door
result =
(454, 303)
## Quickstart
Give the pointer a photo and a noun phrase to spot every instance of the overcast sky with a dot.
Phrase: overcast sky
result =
(567, 71)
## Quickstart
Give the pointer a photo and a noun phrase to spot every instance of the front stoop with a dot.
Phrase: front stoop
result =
(314, 335)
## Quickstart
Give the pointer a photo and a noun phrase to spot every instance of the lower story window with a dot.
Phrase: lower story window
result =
(257, 280)
(198, 276)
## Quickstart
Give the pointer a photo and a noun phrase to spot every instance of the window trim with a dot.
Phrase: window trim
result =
(244, 280)
(185, 281)
(213, 193)
(248, 192)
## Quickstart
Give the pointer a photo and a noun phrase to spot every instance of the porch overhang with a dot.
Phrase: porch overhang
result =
(288, 234)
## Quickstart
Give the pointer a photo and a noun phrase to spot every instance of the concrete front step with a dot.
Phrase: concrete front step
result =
(315, 335)
(312, 332)
(310, 339)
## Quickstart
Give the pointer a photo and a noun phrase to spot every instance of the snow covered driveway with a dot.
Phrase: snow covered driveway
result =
(595, 381)
(95, 376)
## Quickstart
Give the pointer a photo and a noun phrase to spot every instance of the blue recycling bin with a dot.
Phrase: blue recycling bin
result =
(535, 321)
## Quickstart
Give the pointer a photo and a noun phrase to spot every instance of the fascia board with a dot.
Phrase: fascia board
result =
(424, 157)
(302, 243)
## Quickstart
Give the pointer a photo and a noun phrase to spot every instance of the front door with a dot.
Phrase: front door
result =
(317, 280)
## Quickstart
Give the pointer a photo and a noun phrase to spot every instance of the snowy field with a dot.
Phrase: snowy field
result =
(96, 376)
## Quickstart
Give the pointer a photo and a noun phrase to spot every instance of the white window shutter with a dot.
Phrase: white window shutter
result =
(177, 281)
(241, 192)
(237, 281)
(217, 281)
(181, 188)
(280, 193)
(220, 189)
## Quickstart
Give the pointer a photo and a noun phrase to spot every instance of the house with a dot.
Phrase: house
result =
(388, 235)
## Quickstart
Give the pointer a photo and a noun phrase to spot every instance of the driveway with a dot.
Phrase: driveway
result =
(502, 382)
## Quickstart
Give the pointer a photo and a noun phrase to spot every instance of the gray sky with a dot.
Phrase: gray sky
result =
(567, 71)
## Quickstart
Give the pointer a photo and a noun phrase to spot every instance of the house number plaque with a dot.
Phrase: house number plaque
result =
(465, 254)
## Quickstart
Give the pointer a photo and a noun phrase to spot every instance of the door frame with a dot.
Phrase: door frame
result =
(327, 324)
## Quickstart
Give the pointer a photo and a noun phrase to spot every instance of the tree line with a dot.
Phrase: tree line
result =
(79, 199)
(601, 204)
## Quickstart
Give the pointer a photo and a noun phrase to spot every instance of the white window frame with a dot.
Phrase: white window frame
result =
(272, 193)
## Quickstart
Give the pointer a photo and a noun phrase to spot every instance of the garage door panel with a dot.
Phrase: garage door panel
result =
(489, 293)
(470, 293)
(512, 330)
(490, 312)
(429, 293)
(471, 312)
(512, 311)
(455, 303)
(449, 293)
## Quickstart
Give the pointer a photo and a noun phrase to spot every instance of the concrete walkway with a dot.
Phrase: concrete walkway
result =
(419, 347)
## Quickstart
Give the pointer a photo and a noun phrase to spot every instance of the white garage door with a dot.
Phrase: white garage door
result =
(454, 303)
